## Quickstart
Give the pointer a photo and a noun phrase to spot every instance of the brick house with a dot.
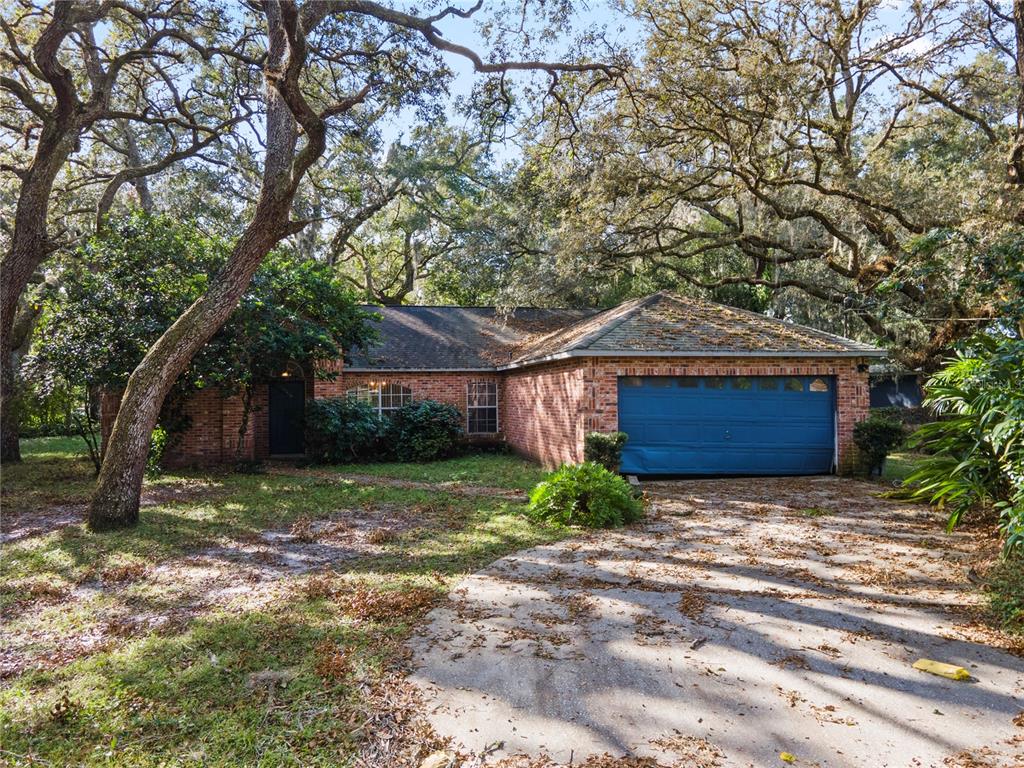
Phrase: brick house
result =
(700, 388)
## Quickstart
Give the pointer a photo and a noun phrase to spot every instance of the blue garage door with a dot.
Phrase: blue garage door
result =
(727, 425)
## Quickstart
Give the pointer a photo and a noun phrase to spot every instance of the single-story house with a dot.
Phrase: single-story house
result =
(699, 387)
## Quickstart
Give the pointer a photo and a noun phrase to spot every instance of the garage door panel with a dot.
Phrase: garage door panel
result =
(728, 425)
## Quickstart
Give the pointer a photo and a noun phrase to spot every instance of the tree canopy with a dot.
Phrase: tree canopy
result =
(133, 280)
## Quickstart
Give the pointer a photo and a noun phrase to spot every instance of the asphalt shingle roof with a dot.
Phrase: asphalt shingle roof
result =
(663, 324)
(666, 324)
(455, 338)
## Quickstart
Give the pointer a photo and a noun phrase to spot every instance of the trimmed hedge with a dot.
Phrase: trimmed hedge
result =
(605, 448)
(587, 495)
(424, 431)
(340, 430)
(876, 437)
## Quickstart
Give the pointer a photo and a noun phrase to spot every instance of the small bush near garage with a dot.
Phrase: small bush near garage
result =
(424, 431)
(340, 430)
(587, 495)
(605, 448)
(876, 437)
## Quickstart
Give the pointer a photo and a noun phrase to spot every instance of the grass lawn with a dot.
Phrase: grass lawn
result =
(248, 619)
(497, 470)
(900, 465)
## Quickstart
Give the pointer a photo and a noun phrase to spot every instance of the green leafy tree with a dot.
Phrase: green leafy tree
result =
(794, 148)
(976, 449)
(132, 281)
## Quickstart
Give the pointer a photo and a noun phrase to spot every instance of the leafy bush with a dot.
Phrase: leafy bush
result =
(158, 441)
(424, 431)
(340, 430)
(977, 448)
(876, 436)
(1006, 593)
(605, 448)
(584, 494)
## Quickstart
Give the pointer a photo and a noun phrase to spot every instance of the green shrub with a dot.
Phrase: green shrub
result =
(1006, 593)
(587, 495)
(876, 436)
(605, 448)
(424, 431)
(340, 430)
(158, 441)
(976, 449)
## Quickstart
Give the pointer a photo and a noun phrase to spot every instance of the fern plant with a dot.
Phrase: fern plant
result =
(977, 446)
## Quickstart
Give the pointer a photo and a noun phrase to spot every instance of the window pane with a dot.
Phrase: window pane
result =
(794, 385)
(742, 382)
(482, 407)
(631, 381)
(767, 383)
(363, 394)
(483, 420)
(688, 382)
(658, 381)
(819, 385)
(714, 382)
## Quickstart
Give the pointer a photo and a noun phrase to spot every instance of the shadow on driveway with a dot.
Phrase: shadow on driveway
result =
(744, 618)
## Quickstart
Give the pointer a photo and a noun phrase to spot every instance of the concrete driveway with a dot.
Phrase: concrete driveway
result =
(744, 619)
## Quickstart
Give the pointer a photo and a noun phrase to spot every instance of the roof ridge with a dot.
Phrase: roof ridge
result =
(587, 339)
(603, 328)
(762, 316)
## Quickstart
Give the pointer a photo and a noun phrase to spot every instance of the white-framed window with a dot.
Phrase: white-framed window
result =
(482, 407)
(385, 397)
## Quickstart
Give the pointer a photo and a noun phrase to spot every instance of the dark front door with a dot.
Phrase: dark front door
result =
(287, 417)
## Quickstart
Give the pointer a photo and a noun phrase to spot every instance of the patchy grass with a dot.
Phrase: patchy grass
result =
(1006, 594)
(54, 470)
(496, 470)
(900, 465)
(198, 638)
(814, 512)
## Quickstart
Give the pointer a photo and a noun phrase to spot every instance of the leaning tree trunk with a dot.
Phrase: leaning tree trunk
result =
(115, 502)
(10, 448)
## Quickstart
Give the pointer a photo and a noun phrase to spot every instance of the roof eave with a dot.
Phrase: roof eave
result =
(848, 353)
(355, 369)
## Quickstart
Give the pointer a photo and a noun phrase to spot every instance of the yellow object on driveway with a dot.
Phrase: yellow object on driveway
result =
(951, 671)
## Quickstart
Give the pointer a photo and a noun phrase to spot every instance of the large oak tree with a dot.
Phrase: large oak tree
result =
(855, 159)
(94, 96)
(323, 62)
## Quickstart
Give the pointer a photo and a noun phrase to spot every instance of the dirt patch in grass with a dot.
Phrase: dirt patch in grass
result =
(21, 522)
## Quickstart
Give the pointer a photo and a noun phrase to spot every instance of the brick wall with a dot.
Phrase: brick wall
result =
(328, 387)
(445, 387)
(212, 437)
(852, 394)
(543, 410)
(546, 406)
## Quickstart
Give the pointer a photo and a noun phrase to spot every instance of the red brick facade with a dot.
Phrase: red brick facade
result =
(443, 386)
(544, 410)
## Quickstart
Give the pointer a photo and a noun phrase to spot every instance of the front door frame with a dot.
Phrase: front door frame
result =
(281, 383)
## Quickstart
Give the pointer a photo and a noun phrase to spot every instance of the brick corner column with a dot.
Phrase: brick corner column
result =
(854, 401)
